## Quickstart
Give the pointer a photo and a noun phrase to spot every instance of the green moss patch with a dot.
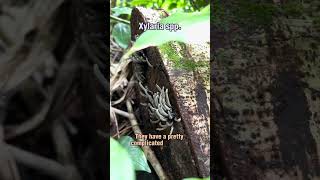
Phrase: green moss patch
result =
(173, 52)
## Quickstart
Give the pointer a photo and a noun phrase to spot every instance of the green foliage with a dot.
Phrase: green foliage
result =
(147, 4)
(171, 6)
(168, 5)
(124, 159)
(117, 11)
(136, 154)
(122, 34)
(195, 28)
(120, 161)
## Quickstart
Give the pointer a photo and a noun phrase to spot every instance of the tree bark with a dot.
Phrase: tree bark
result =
(266, 94)
(189, 97)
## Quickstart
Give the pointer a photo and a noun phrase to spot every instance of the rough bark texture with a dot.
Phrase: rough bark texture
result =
(266, 86)
(188, 92)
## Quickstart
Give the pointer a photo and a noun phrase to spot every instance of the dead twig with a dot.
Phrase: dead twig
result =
(120, 112)
(119, 19)
(147, 150)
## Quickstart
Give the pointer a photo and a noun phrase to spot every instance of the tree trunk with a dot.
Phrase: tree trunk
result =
(189, 96)
(266, 97)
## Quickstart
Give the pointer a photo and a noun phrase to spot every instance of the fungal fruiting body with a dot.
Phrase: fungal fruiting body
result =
(159, 107)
